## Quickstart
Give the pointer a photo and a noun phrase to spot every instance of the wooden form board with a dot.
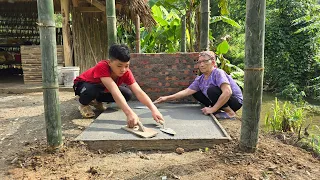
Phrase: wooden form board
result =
(148, 133)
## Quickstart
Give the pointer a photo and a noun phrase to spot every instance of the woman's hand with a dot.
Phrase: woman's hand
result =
(207, 110)
(161, 99)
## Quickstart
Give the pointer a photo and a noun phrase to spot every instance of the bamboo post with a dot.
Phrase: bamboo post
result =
(189, 22)
(138, 45)
(111, 22)
(49, 73)
(183, 34)
(253, 79)
(66, 32)
(204, 30)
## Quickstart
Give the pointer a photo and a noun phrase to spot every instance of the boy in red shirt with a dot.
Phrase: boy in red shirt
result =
(101, 83)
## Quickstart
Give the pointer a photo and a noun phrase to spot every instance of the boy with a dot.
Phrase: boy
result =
(101, 83)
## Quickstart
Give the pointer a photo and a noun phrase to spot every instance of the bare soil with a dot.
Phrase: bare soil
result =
(24, 155)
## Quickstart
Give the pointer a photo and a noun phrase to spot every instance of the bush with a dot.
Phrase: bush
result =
(292, 92)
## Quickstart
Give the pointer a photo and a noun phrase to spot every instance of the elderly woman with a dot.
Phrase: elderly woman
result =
(214, 88)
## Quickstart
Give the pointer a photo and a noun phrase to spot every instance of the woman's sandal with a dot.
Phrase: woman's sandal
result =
(86, 111)
(224, 115)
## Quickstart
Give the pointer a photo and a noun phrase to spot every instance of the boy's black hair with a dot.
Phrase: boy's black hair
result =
(120, 52)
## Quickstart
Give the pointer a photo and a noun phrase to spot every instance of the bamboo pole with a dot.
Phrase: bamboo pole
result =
(189, 22)
(49, 73)
(183, 34)
(204, 30)
(111, 22)
(66, 32)
(138, 45)
(253, 79)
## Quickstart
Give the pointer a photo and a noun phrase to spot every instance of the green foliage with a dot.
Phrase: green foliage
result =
(235, 28)
(237, 10)
(310, 22)
(313, 87)
(291, 92)
(126, 36)
(223, 63)
(58, 20)
(236, 53)
(290, 57)
(290, 117)
(222, 48)
(287, 117)
(223, 5)
(314, 141)
(226, 20)
(178, 5)
(165, 36)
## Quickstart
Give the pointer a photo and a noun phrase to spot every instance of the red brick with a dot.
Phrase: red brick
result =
(184, 83)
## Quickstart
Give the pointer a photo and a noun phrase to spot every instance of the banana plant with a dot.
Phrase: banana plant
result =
(186, 11)
(166, 35)
(223, 63)
(225, 19)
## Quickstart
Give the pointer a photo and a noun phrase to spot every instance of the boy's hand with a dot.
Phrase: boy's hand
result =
(161, 99)
(132, 120)
(157, 116)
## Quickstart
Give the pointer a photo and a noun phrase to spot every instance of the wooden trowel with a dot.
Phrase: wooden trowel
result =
(141, 131)
(166, 130)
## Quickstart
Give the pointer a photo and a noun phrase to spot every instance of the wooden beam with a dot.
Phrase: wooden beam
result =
(97, 4)
(137, 25)
(88, 9)
(75, 3)
(66, 32)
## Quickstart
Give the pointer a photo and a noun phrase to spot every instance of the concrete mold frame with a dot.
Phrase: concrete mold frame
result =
(194, 130)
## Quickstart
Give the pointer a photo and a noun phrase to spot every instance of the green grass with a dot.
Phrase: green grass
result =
(285, 118)
(288, 117)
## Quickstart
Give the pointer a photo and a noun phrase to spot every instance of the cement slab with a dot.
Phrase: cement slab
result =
(194, 130)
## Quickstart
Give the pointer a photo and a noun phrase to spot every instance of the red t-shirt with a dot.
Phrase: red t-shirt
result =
(102, 69)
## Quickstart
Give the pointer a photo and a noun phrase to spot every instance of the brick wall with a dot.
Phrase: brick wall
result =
(31, 63)
(157, 74)
(164, 74)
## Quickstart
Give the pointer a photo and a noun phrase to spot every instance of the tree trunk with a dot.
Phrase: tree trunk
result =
(253, 79)
(111, 22)
(138, 46)
(183, 34)
(49, 73)
(66, 32)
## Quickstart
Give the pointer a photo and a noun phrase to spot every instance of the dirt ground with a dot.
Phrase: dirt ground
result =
(24, 155)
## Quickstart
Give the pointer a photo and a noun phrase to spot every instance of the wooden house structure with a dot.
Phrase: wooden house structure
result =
(83, 37)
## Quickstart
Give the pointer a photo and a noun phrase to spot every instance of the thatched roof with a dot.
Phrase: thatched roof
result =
(126, 9)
